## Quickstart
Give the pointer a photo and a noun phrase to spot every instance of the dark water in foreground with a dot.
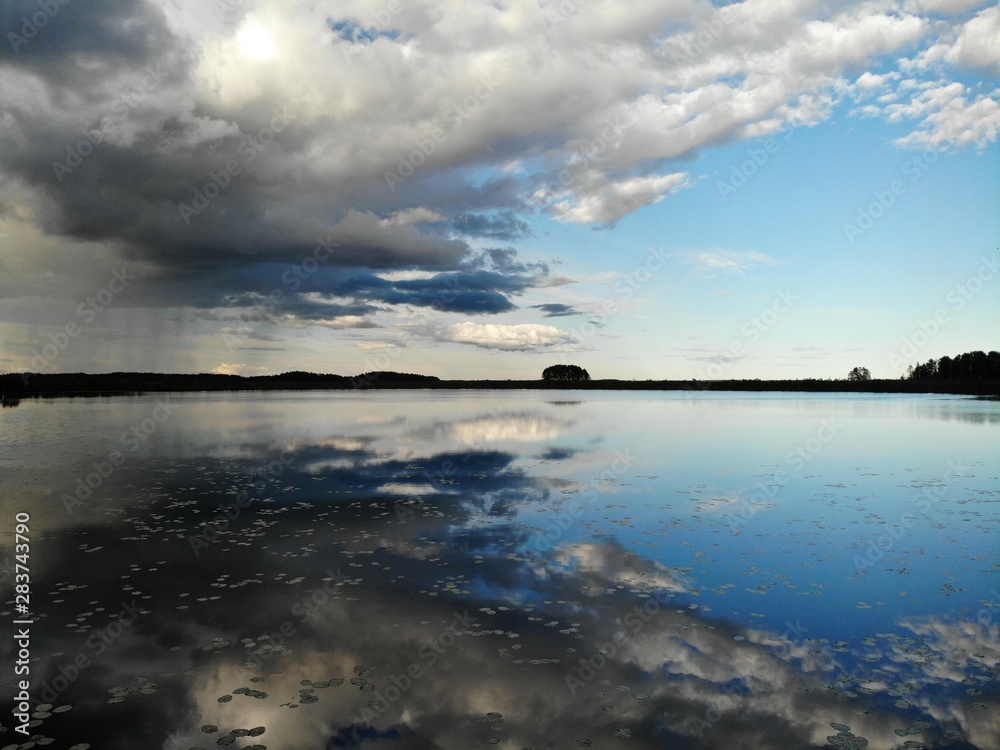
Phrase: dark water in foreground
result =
(511, 569)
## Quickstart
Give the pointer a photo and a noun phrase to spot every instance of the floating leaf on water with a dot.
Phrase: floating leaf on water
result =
(845, 738)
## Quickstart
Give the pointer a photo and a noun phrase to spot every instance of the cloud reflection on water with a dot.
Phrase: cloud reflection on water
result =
(331, 567)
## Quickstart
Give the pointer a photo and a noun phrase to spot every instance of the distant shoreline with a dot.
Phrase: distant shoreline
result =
(14, 387)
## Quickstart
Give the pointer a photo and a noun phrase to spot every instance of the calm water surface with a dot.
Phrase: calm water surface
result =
(511, 569)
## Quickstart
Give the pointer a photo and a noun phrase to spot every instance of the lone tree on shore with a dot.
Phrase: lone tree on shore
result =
(859, 374)
(565, 372)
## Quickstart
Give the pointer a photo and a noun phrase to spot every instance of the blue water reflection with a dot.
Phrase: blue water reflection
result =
(452, 569)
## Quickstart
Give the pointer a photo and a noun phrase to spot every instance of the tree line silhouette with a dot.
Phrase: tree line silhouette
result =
(969, 366)
(973, 373)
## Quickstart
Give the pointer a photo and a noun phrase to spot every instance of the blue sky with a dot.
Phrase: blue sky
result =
(653, 190)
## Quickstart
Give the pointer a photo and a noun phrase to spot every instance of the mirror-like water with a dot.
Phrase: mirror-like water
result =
(512, 569)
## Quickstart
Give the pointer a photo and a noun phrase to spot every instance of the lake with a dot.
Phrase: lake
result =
(550, 569)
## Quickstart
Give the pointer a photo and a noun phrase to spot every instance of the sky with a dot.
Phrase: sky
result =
(670, 189)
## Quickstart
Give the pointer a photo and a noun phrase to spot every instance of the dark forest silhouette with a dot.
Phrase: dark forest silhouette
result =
(969, 366)
(973, 373)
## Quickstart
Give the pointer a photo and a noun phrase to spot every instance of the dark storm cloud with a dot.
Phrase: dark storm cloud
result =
(121, 152)
(300, 306)
(506, 260)
(475, 292)
(201, 144)
(60, 32)
(311, 308)
(504, 226)
(556, 309)
(333, 292)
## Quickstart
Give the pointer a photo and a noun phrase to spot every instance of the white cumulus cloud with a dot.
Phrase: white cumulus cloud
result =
(522, 337)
